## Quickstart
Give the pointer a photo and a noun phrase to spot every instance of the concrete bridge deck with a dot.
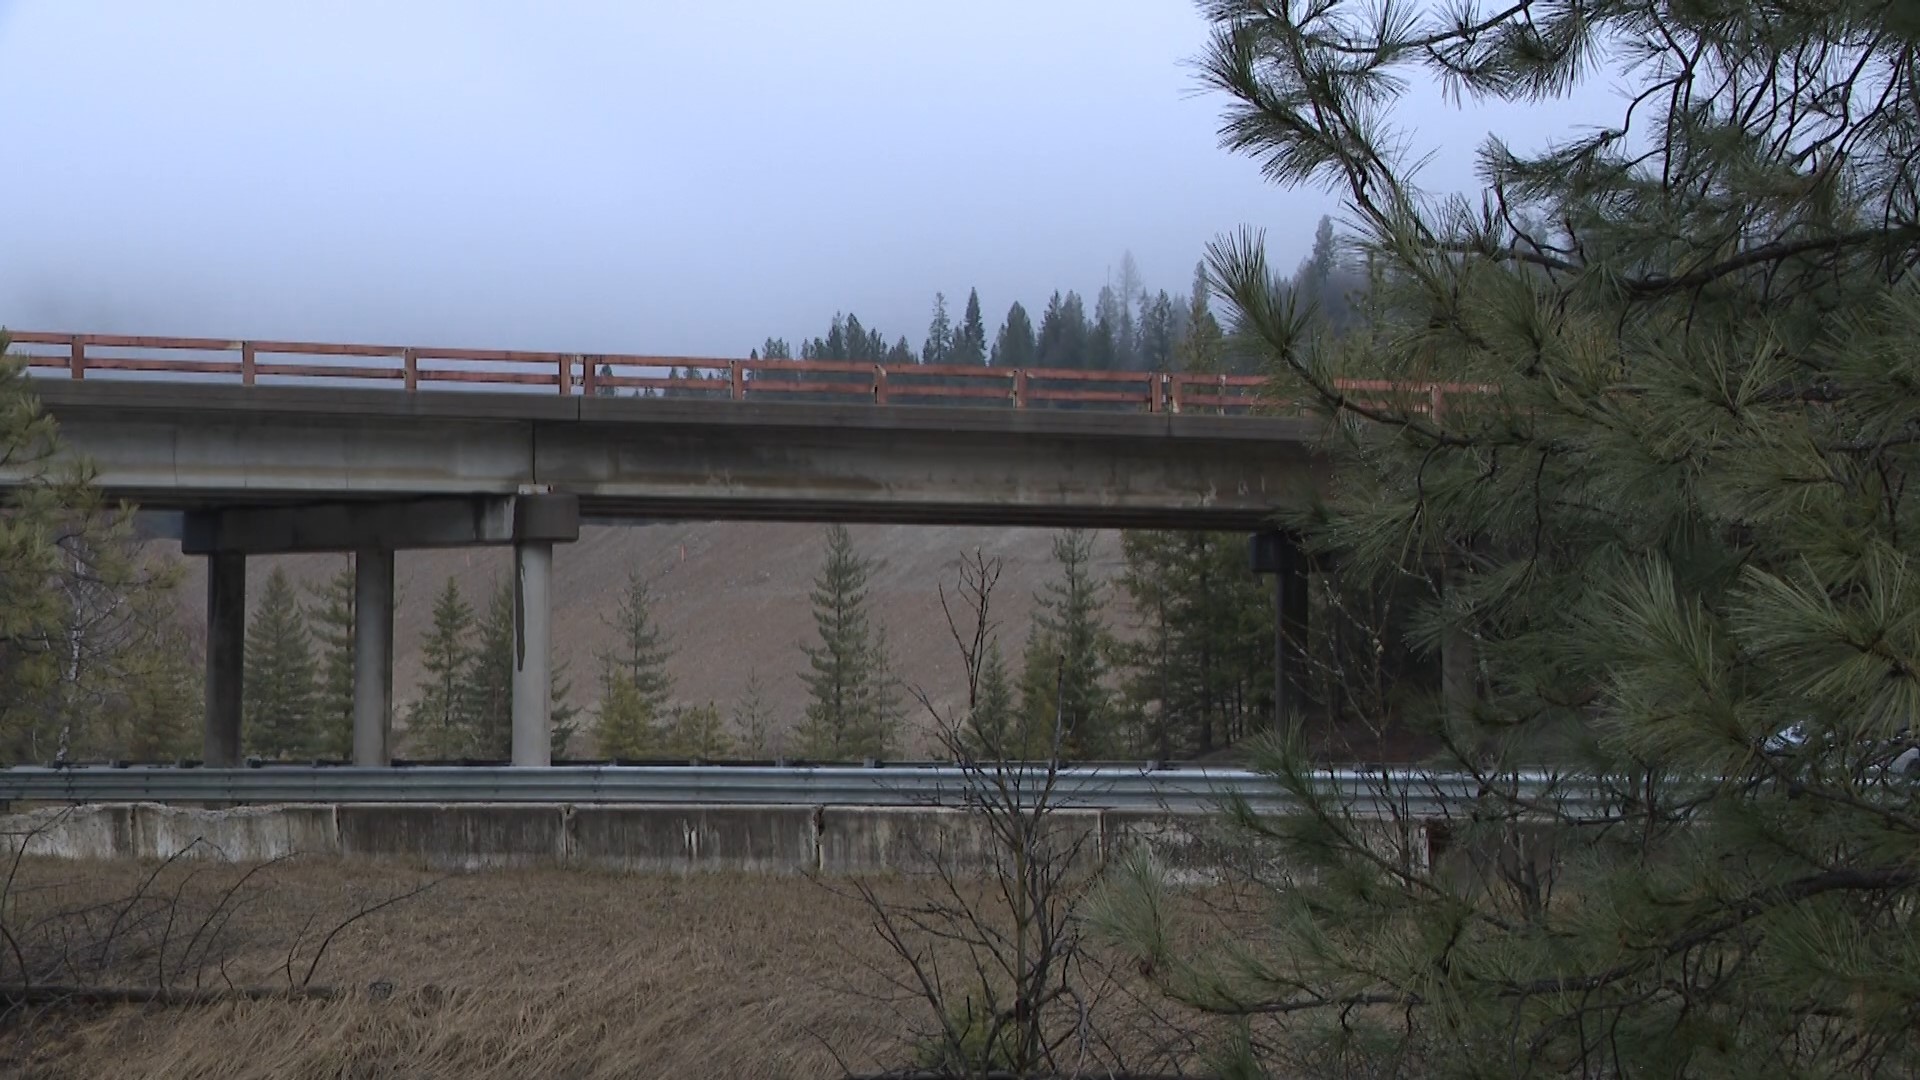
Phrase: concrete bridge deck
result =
(174, 446)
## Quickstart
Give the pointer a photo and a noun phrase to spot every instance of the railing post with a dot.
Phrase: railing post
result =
(879, 385)
(589, 380)
(564, 368)
(1437, 396)
(246, 363)
(410, 361)
(1019, 388)
(1153, 392)
(736, 380)
(1176, 392)
(77, 357)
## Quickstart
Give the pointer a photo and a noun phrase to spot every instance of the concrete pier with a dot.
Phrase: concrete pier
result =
(373, 657)
(532, 653)
(226, 656)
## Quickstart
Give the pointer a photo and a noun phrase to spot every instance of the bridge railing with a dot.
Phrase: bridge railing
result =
(414, 368)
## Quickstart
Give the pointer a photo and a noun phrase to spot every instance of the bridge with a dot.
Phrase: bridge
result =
(278, 447)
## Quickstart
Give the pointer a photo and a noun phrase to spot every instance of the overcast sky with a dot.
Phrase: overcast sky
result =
(603, 176)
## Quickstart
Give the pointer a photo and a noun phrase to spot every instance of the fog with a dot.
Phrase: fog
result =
(607, 176)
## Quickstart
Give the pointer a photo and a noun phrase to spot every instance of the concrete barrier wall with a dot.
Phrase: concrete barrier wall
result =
(832, 840)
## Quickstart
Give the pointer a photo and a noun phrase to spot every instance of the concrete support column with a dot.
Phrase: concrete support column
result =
(226, 657)
(1279, 554)
(373, 657)
(532, 652)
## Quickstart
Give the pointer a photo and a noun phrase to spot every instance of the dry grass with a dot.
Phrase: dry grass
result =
(504, 974)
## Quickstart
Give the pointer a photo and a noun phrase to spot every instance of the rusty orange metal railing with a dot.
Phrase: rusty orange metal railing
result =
(413, 368)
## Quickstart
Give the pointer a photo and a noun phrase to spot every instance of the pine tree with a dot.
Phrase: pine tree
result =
(1157, 332)
(753, 719)
(280, 693)
(441, 720)
(851, 706)
(1066, 658)
(1199, 674)
(1127, 348)
(489, 680)
(331, 613)
(1062, 342)
(990, 727)
(1667, 556)
(1110, 348)
(641, 651)
(1013, 346)
(698, 732)
(938, 348)
(970, 344)
(627, 727)
(1200, 350)
(775, 349)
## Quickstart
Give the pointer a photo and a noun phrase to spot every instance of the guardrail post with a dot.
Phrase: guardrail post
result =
(1153, 392)
(736, 381)
(1019, 388)
(879, 385)
(77, 357)
(564, 364)
(1177, 389)
(246, 363)
(410, 361)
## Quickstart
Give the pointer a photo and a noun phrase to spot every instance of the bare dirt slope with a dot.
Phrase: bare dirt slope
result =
(734, 600)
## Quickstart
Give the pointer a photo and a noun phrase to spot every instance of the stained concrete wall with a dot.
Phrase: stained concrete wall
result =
(832, 840)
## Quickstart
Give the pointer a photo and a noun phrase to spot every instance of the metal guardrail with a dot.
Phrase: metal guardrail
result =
(253, 362)
(1105, 787)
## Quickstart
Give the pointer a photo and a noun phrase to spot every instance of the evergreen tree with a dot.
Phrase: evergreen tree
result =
(154, 710)
(1108, 349)
(563, 720)
(970, 344)
(280, 694)
(1066, 658)
(641, 650)
(489, 680)
(901, 355)
(331, 613)
(939, 344)
(698, 732)
(1668, 557)
(627, 727)
(1200, 673)
(1062, 342)
(441, 720)
(1201, 350)
(1013, 346)
(851, 699)
(990, 727)
(1132, 290)
(1157, 332)
(753, 719)
(775, 349)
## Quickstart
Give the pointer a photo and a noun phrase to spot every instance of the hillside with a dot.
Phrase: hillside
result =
(732, 598)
